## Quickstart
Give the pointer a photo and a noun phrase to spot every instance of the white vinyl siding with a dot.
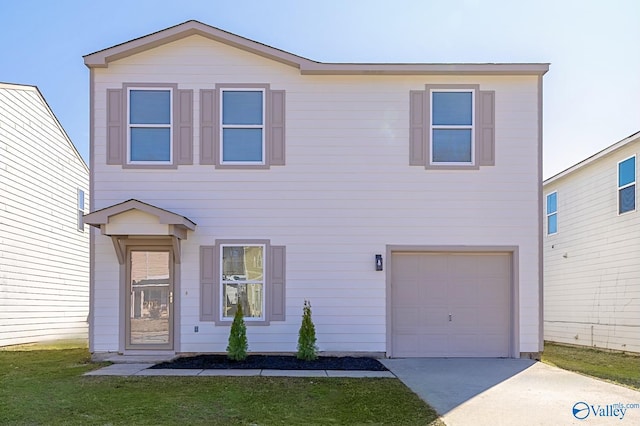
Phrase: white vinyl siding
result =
(345, 193)
(44, 260)
(591, 268)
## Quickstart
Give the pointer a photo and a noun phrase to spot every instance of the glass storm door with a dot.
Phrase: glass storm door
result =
(149, 307)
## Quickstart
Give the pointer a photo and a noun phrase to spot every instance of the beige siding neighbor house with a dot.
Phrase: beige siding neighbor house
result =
(592, 251)
(402, 200)
(44, 245)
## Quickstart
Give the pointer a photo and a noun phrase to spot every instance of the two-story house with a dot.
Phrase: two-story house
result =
(44, 244)
(402, 200)
(592, 251)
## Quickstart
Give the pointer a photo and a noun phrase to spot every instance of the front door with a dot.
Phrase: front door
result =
(149, 301)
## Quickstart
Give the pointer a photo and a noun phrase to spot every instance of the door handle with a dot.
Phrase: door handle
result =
(171, 298)
(450, 316)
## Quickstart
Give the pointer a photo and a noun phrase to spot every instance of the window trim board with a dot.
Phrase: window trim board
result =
(171, 126)
(220, 90)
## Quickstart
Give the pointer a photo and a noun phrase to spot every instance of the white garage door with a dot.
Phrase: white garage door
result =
(451, 304)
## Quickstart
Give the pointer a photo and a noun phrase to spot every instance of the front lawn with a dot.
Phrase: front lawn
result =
(617, 367)
(47, 387)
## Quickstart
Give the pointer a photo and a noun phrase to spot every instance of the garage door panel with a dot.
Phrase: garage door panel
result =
(404, 317)
(405, 292)
(474, 288)
(437, 317)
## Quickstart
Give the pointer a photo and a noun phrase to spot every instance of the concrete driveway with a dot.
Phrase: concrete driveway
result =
(485, 391)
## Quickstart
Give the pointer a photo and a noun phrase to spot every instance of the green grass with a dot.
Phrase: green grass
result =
(616, 367)
(47, 387)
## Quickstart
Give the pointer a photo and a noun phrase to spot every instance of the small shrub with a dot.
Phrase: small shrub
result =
(307, 349)
(238, 345)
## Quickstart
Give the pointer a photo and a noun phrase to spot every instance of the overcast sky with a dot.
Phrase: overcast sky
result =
(591, 93)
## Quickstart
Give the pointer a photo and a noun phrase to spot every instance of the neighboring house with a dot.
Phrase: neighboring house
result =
(44, 245)
(402, 200)
(592, 251)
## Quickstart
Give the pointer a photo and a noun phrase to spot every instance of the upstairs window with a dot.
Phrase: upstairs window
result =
(552, 213)
(627, 185)
(242, 126)
(149, 126)
(80, 209)
(452, 127)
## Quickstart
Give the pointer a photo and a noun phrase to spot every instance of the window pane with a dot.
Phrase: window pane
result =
(242, 145)
(452, 108)
(552, 203)
(150, 144)
(241, 107)
(241, 263)
(627, 171)
(627, 199)
(248, 295)
(552, 224)
(150, 107)
(451, 146)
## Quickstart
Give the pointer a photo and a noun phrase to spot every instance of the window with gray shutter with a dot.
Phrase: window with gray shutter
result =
(452, 127)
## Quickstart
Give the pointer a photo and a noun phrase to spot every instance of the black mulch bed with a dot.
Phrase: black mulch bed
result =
(274, 362)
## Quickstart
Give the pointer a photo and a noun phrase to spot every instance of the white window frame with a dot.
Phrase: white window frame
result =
(80, 201)
(260, 319)
(472, 127)
(152, 126)
(554, 213)
(633, 183)
(243, 126)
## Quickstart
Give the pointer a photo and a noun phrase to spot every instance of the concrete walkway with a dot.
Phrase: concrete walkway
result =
(482, 391)
(142, 369)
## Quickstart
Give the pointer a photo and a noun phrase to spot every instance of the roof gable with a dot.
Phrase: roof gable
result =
(50, 113)
(102, 58)
(165, 217)
(634, 138)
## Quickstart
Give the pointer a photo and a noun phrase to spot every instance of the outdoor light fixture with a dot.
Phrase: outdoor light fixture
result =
(378, 262)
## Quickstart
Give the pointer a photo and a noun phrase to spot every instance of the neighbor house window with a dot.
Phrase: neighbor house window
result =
(552, 213)
(627, 185)
(452, 127)
(242, 130)
(80, 209)
(242, 281)
(149, 126)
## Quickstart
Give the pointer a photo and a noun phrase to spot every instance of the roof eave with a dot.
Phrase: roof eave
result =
(102, 58)
(608, 150)
(423, 69)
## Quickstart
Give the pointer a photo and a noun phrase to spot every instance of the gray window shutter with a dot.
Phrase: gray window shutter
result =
(277, 128)
(207, 127)
(278, 280)
(207, 283)
(418, 127)
(115, 126)
(486, 126)
(184, 127)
